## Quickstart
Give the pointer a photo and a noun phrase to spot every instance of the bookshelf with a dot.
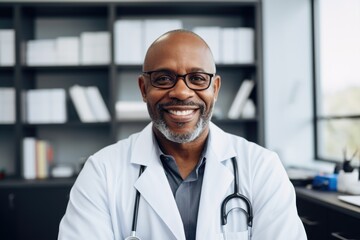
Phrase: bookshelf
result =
(39, 21)
(73, 141)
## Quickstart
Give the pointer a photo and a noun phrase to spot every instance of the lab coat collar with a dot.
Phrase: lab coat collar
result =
(219, 144)
(217, 179)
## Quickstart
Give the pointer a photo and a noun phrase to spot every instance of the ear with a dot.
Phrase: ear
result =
(216, 86)
(142, 87)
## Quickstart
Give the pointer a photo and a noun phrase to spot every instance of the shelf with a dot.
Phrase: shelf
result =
(56, 9)
(122, 121)
(7, 125)
(68, 124)
(236, 65)
(235, 121)
(7, 68)
(50, 182)
(129, 67)
(67, 68)
(186, 8)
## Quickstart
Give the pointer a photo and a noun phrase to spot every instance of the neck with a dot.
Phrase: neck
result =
(186, 155)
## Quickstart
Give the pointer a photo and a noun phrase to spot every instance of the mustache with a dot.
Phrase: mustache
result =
(176, 102)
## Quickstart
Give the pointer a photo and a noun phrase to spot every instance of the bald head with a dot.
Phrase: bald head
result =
(179, 47)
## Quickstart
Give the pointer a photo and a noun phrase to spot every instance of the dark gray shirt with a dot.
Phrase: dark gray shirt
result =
(186, 192)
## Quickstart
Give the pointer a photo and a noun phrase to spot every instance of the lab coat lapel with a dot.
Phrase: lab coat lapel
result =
(153, 184)
(216, 182)
(154, 188)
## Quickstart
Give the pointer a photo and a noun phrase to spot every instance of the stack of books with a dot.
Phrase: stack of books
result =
(133, 37)
(46, 106)
(230, 45)
(89, 104)
(242, 106)
(127, 110)
(37, 158)
(95, 48)
(91, 48)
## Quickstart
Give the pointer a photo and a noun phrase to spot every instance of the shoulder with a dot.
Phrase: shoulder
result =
(114, 155)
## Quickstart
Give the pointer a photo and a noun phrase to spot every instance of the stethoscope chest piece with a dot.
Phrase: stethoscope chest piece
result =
(133, 237)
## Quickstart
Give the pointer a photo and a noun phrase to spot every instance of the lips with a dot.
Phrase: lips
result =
(177, 111)
(181, 112)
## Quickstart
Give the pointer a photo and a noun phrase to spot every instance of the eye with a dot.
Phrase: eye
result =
(198, 78)
(162, 78)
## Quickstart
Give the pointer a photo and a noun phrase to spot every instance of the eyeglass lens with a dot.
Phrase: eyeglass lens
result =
(193, 80)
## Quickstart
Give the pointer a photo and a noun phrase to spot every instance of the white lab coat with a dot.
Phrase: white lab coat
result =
(102, 198)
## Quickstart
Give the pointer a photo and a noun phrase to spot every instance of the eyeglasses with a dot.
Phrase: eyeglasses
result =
(167, 79)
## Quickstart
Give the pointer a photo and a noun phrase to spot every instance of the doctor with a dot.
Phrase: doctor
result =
(188, 165)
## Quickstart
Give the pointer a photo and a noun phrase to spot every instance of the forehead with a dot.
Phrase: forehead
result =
(179, 52)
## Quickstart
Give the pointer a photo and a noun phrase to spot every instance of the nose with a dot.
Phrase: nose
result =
(180, 90)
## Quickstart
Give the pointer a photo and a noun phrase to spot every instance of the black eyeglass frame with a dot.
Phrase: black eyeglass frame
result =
(177, 76)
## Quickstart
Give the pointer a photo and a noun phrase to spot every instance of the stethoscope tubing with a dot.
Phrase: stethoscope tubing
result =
(235, 194)
(136, 211)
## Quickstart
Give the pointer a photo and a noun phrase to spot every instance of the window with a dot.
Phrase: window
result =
(336, 35)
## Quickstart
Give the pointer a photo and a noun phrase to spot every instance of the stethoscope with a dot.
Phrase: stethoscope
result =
(236, 195)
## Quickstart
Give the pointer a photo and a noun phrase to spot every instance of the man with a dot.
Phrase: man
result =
(190, 165)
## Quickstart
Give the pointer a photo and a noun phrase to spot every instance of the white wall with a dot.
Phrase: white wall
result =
(288, 82)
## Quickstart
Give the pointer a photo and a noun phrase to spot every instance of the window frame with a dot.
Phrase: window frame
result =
(317, 117)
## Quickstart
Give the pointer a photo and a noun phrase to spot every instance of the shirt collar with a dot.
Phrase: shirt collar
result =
(170, 162)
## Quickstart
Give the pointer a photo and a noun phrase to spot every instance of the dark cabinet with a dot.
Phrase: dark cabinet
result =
(7, 214)
(327, 218)
(32, 212)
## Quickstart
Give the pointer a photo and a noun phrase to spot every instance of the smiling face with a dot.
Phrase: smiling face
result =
(180, 114)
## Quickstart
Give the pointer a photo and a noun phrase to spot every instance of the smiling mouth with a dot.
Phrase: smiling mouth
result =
(181, 112)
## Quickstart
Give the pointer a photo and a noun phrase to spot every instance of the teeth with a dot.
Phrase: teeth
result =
(181, 113)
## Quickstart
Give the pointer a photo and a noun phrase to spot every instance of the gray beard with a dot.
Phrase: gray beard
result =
(186, 137)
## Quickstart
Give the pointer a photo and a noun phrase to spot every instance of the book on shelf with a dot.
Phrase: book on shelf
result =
(228, 45)
(7, 105)
(245, 52)
(89, 104)
(37, 158)
(46, 106)
(97, 104)
(129, 50)
(249, 111)
(131, 110)
(7, 47)
(237, 106)
(95, 48)
(153, 28)
(41, 52)
(212, 37)
(68, 50)
(90, 48)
